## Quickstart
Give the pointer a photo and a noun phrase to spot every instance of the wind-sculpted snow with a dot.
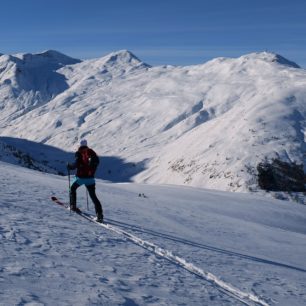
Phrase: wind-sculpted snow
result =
(207, 125)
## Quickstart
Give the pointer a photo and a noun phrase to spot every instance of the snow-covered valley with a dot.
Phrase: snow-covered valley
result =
(52, 257)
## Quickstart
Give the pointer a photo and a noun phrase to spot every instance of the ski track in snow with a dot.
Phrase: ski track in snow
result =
(166, 254)
(235, 292)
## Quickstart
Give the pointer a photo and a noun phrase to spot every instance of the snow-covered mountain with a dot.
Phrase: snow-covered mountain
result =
(172, 246)
(226, 124)
(29, 81)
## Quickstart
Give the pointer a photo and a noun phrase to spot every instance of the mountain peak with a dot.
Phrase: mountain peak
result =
(58, 57)
(271, 57)
(282, 60)
(123, 57)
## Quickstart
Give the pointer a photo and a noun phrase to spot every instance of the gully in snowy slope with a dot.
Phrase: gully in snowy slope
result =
(86, 163)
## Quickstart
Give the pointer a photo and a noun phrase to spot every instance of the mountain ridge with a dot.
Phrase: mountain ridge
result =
(207, 125)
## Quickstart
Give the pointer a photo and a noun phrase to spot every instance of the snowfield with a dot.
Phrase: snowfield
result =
(164, 135)
(199, 246)
(206, 125)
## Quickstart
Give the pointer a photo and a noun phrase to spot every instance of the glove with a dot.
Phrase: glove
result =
(70, 166)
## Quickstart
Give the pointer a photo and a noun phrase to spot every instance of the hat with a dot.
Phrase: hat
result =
(83, 143)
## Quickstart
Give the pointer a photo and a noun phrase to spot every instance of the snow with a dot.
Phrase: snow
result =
(195, 244)
(182, 129)
(206, 125)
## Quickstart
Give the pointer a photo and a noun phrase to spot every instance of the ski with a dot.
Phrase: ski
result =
(80, 213)
(57, 201)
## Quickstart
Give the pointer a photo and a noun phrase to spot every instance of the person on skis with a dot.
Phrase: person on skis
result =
(86, 163)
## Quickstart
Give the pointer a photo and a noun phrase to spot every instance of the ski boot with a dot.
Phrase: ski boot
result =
(99, 218)
(75, 209)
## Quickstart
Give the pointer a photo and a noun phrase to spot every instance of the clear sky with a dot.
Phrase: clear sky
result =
(173, 32)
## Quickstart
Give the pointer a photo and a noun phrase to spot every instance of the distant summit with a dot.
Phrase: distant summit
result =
(31, 80)
(49, 57)
(271, 57)
(58, 57)
(123, 56)
(123, 59)
(281, 60)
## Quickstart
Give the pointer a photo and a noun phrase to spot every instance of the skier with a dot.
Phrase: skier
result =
(86, 163)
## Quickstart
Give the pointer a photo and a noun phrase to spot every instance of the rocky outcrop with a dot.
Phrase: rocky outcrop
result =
(278, 175)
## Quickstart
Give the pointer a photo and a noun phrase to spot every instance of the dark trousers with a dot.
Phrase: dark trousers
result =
(92, 193)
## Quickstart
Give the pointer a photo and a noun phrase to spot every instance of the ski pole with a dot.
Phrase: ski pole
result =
(87, 198)
(69, 189)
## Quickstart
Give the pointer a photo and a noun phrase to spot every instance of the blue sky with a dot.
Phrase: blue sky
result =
(158, 32)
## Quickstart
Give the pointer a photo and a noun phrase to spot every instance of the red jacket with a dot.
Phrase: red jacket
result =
(86, 162)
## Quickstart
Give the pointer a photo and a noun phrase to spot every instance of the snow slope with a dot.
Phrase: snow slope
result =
(10, 154)
(206, 125)
(250, 244)
(29, 81)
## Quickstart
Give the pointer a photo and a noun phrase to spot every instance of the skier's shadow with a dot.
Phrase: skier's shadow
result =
(199, 245)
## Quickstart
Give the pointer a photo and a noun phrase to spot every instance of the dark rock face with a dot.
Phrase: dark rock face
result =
(277, 175)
